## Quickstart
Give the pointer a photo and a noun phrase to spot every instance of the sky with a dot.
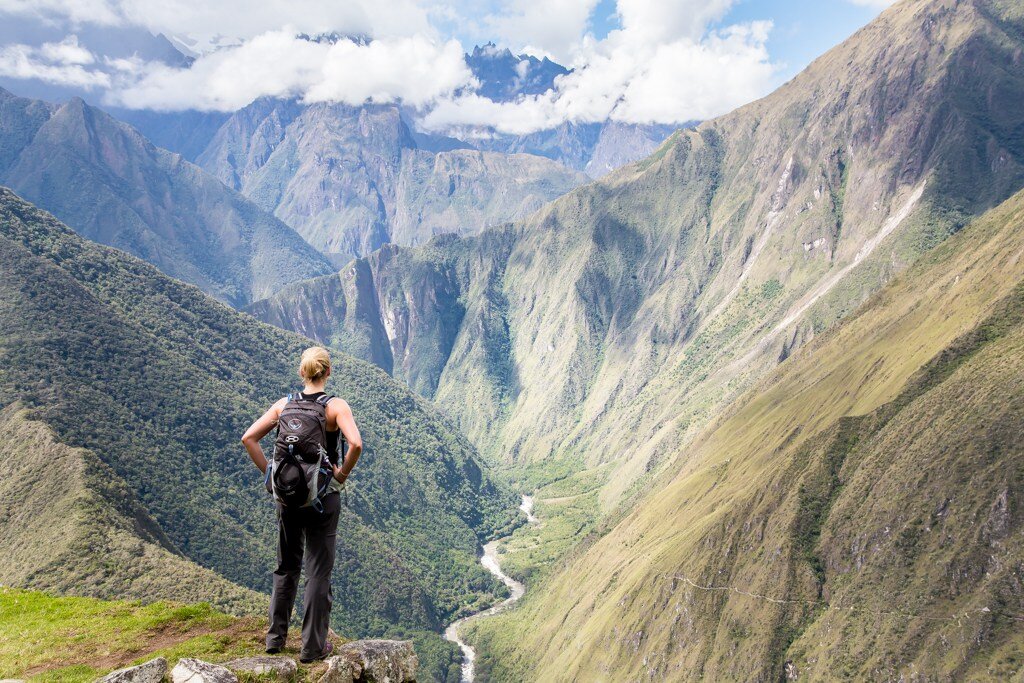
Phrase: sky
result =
(637, 61)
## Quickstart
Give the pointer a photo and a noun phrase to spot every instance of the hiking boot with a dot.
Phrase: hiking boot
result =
(328, 648)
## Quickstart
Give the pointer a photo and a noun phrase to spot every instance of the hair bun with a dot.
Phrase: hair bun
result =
(315, 364)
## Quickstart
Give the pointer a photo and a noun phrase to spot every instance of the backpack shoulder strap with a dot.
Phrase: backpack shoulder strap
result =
(325, 399)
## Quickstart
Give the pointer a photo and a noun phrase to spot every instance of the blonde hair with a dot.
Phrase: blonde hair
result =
(315, 364)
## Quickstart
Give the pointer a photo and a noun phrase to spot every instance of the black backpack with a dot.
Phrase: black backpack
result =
(300, 474)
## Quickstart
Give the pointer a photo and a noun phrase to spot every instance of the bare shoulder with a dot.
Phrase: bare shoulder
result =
(278, 405)
(338, 406)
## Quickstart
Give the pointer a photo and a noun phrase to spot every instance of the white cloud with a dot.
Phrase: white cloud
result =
(239, 19)
(63, 63)
(661, 21)
(100, 12)
(551, 28)
(67, 51)
(663, 66)
(415, 70)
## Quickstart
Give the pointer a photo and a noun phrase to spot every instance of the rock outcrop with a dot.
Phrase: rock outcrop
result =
(281, 668)
(373, 661)
(197, 671)
(151, 672)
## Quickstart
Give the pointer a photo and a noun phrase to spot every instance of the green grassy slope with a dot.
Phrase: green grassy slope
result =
(45, 638)
(856, 515)
(111, 185)
(158, 381)
(613, 324)
(72, 526)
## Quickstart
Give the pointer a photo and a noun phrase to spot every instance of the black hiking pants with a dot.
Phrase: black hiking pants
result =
(317, 532)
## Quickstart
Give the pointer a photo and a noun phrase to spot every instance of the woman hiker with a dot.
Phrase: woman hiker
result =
(305, 478)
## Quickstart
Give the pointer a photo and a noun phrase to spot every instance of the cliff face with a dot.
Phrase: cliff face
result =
(632, 309)
(111, 185)
(350, 179)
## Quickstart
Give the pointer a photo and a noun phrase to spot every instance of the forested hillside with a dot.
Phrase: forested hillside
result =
(140, 386)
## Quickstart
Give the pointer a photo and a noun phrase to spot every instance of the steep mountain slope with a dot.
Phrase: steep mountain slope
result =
(187, 133)
(350, 179)
(614, 323)
(111, 185)
(504, 77)
(72, 526)
(856, 515)
(157, 381)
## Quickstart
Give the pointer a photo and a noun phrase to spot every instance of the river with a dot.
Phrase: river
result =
(489, 560)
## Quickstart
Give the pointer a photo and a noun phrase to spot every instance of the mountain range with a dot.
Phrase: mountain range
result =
(765, 384)
(113, 186)
(615, 332)
(856, 515)
(636, 307)
(350, 179)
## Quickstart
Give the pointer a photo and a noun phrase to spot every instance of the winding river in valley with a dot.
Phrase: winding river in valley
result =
(490, 562)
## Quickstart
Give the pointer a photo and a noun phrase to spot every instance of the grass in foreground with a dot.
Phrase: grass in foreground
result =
(72, 640)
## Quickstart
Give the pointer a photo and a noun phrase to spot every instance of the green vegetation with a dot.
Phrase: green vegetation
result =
(773, 373)
(852, 515)
(75, 640)
(619, 321)
(566, 502)
(162, 380)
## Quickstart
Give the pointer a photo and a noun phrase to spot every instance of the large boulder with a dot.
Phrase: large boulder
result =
(372, 661)
(281, 668)
(197, 671)
(151, 672)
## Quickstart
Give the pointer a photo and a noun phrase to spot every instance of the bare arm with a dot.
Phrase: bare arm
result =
(259, 429)
(347, 425)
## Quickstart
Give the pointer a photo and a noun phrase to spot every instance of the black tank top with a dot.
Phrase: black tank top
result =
(332, 437)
